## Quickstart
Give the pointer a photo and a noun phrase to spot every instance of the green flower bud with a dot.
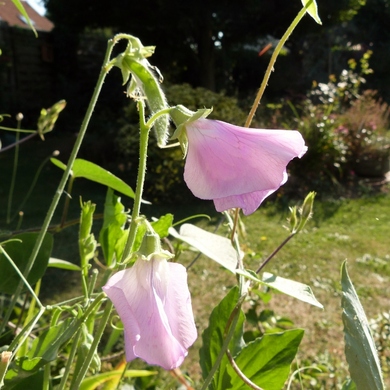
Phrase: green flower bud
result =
(151, 246)
(293, 219)
(83, 350)
(307, 210)
(182, 116)
(48, 118)
(145, 80)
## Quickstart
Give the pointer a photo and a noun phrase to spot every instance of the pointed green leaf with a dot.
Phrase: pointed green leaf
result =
(360, 350)
(44, 348)
(19, 251)
(91, 171)
(217, 248)
(266, 361)
(214, 335)
(161, 226)
(110, 236)
(21, 9)
(63, 264)
(21, 382)
(312, 9)
(58, 163)
(295, 289)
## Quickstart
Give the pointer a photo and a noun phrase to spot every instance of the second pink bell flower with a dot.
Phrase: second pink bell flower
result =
(154, 304)
(236, 166)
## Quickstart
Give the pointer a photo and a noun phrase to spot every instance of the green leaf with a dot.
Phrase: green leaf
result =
(266, 361)
(44, 348)
(161, 226)
(312, 9)
(91, 171)
(63, 264)
(21, 9)
(217, 248)
(214, 335)
(20, 253)
(112, 232)
(91, 383)
(34, 381)
(58, 163)
(360, 351)
(295, 289)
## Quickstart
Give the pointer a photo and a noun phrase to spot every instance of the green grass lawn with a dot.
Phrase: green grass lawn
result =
(356, 230)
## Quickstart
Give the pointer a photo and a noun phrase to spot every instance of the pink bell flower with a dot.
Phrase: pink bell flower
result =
(154, 304)
(236, 166)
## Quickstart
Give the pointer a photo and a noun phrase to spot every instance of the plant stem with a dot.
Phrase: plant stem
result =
(103, 73)
(267, 260)
(235, 315)
(271, 64)
(67, 201)
(144, 139)
(70, 360)
(79, 376)
(22, 278)
(143, 154)
(24, 139)
(13, 178)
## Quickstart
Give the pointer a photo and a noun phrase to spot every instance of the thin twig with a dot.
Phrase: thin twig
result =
(267, 260)
(242, 376)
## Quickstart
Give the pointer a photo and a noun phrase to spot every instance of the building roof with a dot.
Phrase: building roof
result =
(10, 14)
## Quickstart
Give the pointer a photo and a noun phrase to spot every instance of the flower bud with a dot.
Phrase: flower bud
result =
(181, 117)
(293, 219)
(146, 78)
(307, 210)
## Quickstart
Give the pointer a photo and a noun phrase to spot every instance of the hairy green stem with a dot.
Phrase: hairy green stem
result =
(271, 64)
(144, 139)
(143, 153)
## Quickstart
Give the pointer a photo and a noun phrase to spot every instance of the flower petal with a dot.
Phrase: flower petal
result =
(117, 295)
(225, 161)
(156, 329)
(249, 203)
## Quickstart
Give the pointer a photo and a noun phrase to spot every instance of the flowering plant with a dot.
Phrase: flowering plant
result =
(236, 167)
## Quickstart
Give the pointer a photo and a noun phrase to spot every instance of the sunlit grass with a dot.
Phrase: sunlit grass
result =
(356, 230)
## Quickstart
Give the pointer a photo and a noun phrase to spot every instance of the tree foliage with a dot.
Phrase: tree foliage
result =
(215, 43)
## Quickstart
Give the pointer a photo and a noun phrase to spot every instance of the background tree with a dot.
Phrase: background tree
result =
(215, 43)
